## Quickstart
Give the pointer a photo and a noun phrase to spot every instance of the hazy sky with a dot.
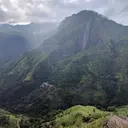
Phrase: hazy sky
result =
(23, 11)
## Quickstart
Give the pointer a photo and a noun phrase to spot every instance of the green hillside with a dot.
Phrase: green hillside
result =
(9, 120)
(87, 117)
(80, 116)
(77, 116)
(74, 117)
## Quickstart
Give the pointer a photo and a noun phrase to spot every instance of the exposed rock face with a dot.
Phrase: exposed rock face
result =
(117, 122)
(86, 35)
(47, 85)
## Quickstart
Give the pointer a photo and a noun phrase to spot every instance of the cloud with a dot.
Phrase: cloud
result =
(3, 15)
(15, 11)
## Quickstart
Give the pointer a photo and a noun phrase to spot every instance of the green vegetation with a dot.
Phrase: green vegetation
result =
(28, 77)
(122, 111)
(88, 117)
(74, 117)
(80, 116)
(8, 120)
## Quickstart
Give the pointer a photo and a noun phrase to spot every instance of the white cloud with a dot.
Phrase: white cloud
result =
(22, 11)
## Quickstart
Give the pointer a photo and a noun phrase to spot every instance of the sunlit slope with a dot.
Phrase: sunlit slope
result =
(80, 116)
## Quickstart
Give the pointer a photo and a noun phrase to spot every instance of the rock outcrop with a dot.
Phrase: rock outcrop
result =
(117, 122)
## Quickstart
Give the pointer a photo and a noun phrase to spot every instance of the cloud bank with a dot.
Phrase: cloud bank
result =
(25, 11)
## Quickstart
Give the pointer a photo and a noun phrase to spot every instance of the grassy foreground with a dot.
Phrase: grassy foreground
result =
(74, 117)
(80, 117)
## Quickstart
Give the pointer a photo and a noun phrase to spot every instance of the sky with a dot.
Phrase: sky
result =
(26, 11)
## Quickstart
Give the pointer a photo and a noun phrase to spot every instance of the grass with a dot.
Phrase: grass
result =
(122, 111)
(85, 117)
(74, 117)
(9, 120)
(28, 77)
(80, 116)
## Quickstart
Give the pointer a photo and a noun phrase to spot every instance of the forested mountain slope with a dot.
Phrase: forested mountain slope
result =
(85, 62)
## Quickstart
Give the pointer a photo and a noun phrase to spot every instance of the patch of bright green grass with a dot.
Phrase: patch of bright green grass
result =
(28, 77)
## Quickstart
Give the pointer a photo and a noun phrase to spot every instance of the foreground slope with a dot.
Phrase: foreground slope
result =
(87, 117)
(80, 116)
(74, 117)
(77, 116)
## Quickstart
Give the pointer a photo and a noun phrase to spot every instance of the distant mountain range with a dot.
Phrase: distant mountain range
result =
(18, 39)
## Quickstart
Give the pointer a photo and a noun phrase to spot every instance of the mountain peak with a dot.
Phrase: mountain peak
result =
(81, 18)
(85, 14)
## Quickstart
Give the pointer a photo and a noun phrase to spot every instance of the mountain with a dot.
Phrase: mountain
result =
(38, 32)
(18, 39)
(84, 62)
(32, 31)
